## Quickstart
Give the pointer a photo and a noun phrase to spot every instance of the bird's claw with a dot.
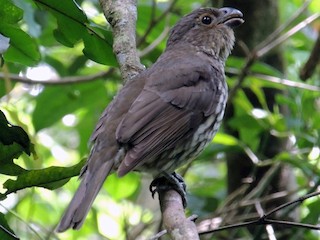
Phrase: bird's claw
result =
(167, 182)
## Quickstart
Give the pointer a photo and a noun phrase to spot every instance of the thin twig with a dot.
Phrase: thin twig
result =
(287, 82)
(155, 43)
(8, 232)
(262, 51)
(264, 220)
(237, 225)
(158, 235)
(243, 74)
(297, 201)
(283, 26)
(288, 223)
(23, 221)
(154, 21)
(268, 227)
(264, 182)
(278, 80)
(60, 81)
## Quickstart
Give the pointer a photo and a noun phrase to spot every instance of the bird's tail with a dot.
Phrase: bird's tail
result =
(81, 203)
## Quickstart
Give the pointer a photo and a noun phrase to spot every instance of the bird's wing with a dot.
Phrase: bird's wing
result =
(170, 108)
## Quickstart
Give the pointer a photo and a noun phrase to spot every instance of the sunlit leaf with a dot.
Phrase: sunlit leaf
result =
(225, 139)
(10, 13)
(98, 49)
(123, 187)
(23, 49)
(73, 26)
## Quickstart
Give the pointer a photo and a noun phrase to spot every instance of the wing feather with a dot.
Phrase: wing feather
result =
(168, 109)
(157, 137)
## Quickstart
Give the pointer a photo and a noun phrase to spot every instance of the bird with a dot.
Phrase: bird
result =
(165, 116)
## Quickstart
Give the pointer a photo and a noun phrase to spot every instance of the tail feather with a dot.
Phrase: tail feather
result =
(81, 203)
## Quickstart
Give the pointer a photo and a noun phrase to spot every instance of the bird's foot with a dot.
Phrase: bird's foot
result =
(168, 182)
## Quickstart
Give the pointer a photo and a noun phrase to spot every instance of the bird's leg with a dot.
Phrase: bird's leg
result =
(167, 182)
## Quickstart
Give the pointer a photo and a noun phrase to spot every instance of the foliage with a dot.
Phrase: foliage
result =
(44, 128)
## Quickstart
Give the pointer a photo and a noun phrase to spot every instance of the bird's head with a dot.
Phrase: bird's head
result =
(208, 29)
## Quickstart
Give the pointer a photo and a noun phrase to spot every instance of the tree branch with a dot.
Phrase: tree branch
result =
(122, 16)
(178, 226)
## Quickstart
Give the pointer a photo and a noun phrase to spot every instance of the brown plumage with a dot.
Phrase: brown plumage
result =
(166, 115)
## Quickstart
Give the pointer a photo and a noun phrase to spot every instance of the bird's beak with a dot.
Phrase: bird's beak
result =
(231, 17)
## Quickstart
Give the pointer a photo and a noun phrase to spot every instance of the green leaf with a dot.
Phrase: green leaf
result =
(10, 13)
(6, 232)
(77, 64)
(225, 139)
(313, 214)
(98, 48)
(73, 26)
(69, 9)
(122, 187)
(9, 152)
(13, 141)
(23, 49)
(50, 178)
(12, 169)
(68, 32)
(315, 6)
(71, 20)
(51, 103)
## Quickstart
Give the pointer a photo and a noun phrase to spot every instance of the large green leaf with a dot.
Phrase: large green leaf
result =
(73, 26)
(69, 32)
(50, 178)
(10, 13)
(55, 102)
(23, 49)
(70, 18)
(97, 46)
(68, 8)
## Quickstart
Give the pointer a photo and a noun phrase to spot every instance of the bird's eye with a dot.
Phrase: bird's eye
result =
(206, 20)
